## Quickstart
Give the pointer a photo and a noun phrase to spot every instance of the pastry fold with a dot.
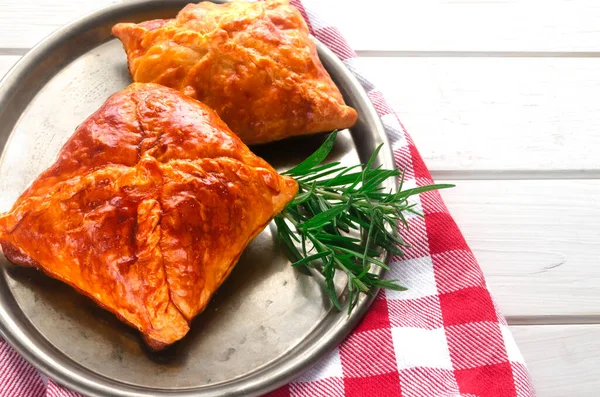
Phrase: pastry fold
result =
(146, 210)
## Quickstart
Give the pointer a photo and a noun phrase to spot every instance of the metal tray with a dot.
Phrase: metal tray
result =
(267, 324)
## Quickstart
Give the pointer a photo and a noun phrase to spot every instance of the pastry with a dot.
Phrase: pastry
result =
(253, 63)
(146, 210)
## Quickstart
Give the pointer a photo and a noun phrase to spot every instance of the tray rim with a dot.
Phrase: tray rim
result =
(17, 330)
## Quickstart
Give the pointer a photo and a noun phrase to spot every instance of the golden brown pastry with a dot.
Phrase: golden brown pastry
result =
(146, 210)
(253, 63)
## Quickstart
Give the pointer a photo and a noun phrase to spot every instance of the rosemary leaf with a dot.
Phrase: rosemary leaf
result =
(348, 220)
(314, 159)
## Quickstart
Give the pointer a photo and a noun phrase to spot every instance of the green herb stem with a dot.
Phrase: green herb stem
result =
(336, 205)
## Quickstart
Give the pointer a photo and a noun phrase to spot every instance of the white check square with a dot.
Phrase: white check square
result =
(416, 275)
(417, 347)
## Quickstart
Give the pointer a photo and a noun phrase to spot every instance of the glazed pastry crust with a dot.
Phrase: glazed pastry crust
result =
(146, 210)
(253, 63)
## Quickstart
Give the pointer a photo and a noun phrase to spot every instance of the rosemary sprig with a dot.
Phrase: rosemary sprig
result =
(322, 226)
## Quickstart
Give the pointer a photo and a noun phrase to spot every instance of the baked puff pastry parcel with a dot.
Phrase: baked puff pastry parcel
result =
(146, 210)
(253, 63)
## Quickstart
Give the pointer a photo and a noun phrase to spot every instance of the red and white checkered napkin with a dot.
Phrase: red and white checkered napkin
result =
(442, 337)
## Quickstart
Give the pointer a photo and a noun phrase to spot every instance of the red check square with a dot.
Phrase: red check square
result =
(368, 353)
(487, 381)
(480, 307)
(419, 167)
(283, 391)
(376, 385)
(476, 344)
(377, 316)
(443, 233)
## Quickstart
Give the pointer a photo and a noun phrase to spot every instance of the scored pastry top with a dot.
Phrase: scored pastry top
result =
(146, 210)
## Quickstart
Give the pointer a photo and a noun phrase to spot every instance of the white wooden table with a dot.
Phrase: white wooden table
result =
(503, 99)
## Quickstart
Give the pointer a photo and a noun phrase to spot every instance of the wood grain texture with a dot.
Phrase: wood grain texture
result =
(25, 23)
(475, 25)
(563, 360)
(497, 114)
(385, 25)
(537, 243)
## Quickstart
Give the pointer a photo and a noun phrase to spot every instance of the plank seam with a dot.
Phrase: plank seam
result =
(477, 54)
(527, 321)
(587, 174)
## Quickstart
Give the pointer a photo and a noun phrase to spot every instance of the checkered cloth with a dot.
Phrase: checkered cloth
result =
(442, 337)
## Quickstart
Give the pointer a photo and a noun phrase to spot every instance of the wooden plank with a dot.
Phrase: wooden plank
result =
(25, 23)
(477, 25)
(384, 25)
(563, 359)
(497, 114)
(537, 243)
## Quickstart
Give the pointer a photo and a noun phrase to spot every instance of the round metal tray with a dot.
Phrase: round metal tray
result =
(267, 323)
